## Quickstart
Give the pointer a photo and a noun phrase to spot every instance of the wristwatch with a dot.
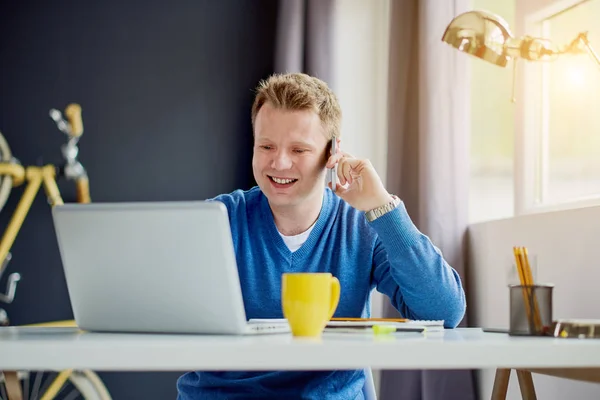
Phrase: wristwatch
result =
(375, 213)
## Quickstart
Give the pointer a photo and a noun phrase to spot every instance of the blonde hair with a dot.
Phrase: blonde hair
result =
(297, 91)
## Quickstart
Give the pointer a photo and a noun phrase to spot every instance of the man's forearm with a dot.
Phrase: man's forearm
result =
(426, 287)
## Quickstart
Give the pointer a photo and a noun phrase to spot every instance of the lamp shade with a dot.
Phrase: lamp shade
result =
(481, 34)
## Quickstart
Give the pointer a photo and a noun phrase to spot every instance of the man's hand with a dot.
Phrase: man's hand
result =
(359, 184)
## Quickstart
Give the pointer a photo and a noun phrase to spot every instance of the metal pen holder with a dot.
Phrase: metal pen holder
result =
(531, 310)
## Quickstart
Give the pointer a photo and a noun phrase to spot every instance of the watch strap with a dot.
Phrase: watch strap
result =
(375, 213)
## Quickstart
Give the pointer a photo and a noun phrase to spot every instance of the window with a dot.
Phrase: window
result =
(541, 153)
(560, 143)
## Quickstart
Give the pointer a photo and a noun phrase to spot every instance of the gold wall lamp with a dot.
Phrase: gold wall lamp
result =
(487, 36)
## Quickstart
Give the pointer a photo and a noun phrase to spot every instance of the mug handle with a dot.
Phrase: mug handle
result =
(335, 296)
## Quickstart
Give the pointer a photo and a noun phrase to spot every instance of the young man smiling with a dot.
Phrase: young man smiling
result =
(292, 222)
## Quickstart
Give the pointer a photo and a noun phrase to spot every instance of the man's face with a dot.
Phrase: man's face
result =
(289, 155)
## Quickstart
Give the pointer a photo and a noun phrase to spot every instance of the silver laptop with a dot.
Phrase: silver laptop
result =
(157, 267)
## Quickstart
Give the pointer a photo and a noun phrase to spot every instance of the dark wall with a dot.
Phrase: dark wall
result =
(166, 90)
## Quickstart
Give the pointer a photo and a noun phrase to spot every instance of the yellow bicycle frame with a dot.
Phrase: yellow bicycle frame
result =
(35, 177)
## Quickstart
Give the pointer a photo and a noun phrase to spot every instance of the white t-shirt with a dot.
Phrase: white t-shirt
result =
(295, 242)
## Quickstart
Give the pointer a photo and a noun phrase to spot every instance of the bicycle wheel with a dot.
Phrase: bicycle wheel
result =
(5, 181)
(40, 385)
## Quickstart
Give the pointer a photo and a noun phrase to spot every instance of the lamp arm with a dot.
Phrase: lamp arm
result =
(580, 45)
(591, 51)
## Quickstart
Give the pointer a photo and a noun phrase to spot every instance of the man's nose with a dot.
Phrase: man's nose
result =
(281, 161)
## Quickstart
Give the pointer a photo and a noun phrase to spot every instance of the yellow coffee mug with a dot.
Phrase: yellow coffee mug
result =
(309, 301)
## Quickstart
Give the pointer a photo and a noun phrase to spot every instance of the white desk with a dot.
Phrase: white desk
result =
(467, 348)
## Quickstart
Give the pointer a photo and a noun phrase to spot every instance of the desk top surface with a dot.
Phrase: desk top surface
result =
(60, 348)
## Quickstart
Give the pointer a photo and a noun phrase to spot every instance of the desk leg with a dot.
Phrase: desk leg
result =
(501, 384)
(526, 385)
(13, 387)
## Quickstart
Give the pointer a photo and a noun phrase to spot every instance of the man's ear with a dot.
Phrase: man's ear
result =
(328, 149)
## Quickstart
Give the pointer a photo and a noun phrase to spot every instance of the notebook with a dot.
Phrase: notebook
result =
(360, 324)
(399, 324)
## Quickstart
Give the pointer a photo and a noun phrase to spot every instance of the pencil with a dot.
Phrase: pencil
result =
(536, 312)
(523, 280)
(529, 297)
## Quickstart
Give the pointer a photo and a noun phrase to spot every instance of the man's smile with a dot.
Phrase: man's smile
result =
(280, 182)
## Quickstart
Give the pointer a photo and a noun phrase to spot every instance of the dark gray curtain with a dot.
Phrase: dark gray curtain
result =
(428, 136)
(304, 41)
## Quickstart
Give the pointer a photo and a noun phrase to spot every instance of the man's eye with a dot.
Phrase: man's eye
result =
(265, 147)
(299, 151)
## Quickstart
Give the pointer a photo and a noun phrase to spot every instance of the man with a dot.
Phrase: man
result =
(292, 222)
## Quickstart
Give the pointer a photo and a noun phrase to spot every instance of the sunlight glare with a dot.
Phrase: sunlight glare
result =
(575, 76)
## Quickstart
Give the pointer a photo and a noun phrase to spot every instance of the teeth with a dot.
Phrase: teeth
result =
(282, 181)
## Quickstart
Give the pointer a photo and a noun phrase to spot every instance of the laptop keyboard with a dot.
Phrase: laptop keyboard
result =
(269, 326)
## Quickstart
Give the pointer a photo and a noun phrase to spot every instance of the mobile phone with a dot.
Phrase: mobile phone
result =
(332, 172)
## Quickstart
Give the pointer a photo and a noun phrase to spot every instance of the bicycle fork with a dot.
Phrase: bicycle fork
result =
(35, 176)
(11, 288)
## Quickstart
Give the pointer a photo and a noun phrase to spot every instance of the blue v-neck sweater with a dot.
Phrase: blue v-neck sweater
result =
(388, 254)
